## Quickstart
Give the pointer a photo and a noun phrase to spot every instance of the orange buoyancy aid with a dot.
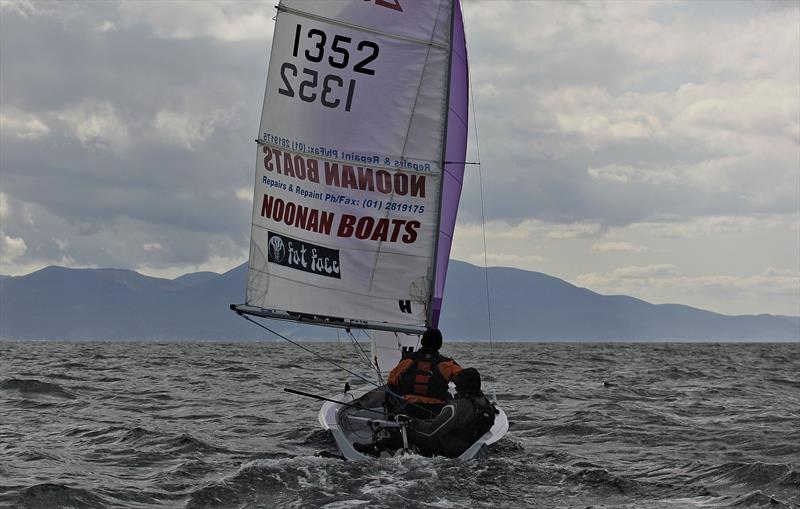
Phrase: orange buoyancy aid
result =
(424, 378)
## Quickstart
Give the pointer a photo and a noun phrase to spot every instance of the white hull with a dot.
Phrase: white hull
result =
(337, 418)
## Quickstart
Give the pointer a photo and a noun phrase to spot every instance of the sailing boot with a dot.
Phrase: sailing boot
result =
(369, 448)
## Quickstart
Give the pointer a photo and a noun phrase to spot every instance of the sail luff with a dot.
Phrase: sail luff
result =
(454, 151)
(434, 303)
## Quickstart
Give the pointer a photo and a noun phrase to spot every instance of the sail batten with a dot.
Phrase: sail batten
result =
(351, 194)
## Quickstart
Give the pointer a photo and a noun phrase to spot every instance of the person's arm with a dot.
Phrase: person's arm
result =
(394, 376)
(449, 369)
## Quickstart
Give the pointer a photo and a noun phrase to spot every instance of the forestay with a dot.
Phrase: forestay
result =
(354, 201)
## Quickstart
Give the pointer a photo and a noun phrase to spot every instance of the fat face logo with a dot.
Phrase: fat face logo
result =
(300, 255)
(277, 251)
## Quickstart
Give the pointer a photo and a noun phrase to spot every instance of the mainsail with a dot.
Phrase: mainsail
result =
(360, 163)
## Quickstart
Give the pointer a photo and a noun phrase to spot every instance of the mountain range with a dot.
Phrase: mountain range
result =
(57, 303)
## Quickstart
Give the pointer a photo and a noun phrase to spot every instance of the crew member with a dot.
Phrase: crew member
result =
(422, 379)
(459, 424)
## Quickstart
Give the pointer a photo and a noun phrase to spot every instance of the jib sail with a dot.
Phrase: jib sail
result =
(360, 162)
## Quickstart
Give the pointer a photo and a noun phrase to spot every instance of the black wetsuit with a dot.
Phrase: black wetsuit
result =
(451, 432)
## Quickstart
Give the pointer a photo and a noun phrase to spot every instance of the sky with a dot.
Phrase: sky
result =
(643, 148)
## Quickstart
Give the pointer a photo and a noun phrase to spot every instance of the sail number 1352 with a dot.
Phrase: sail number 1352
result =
(331, 90)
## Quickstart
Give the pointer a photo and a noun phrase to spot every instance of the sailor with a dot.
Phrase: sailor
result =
(459, 424)
(422, 379)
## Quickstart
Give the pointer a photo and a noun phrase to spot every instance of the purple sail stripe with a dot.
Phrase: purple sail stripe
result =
(455, 150)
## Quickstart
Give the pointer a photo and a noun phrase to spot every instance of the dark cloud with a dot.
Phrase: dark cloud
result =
(143, 130)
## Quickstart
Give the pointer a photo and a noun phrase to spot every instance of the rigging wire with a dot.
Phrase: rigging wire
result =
(342, 348)
(373, 366)
(483, 227)
(384, 388)
(357, 348)
(322, 357)
(360, 353)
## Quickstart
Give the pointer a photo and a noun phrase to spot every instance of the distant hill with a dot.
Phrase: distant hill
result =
(532, 305)
(113, 304)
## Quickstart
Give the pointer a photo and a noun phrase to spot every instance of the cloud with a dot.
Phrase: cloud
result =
(226, 21)
(529, 229)
(11, 247)
(729, 294)
(504, 259)
(573, 230)
(106, 26)
(635, 271)
(213, 263)
(715, 226)
(117, 240)
(23, 8)
(637, 110)
(23, 125)
(244, 194)
(95, 124)
(596, 117)
(618, 246)
(188, 130)
(150, 138)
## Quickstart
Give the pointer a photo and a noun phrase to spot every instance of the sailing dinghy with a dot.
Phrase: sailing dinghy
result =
(359, 171)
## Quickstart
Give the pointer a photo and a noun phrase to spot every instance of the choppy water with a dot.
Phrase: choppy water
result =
(207, 425)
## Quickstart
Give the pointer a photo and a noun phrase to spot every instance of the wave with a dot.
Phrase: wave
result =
(138, 434)
(791, 478)
(262, 483)
(756, 499)
(574, 428)
(602, 478)
(288, 365)
(71, 365)
(319, 438)
(236, 369)
(785, 381)
(36, 387)
(310, 481)
(37, 455)
(185, 443)
(756, 474)
(50, 495)
(62, 376)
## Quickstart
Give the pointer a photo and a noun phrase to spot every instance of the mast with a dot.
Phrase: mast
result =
(454, 153)
(433, 319)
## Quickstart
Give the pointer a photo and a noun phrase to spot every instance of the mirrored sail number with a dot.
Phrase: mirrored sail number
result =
(329, 96)
(330, 89)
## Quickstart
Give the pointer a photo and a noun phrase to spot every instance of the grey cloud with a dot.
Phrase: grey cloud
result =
(184, 107)
(86, 184)
(598, 60)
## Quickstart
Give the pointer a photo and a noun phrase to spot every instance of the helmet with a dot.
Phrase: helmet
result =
(432, 339)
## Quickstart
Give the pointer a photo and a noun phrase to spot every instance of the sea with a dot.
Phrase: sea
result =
(197, 424)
